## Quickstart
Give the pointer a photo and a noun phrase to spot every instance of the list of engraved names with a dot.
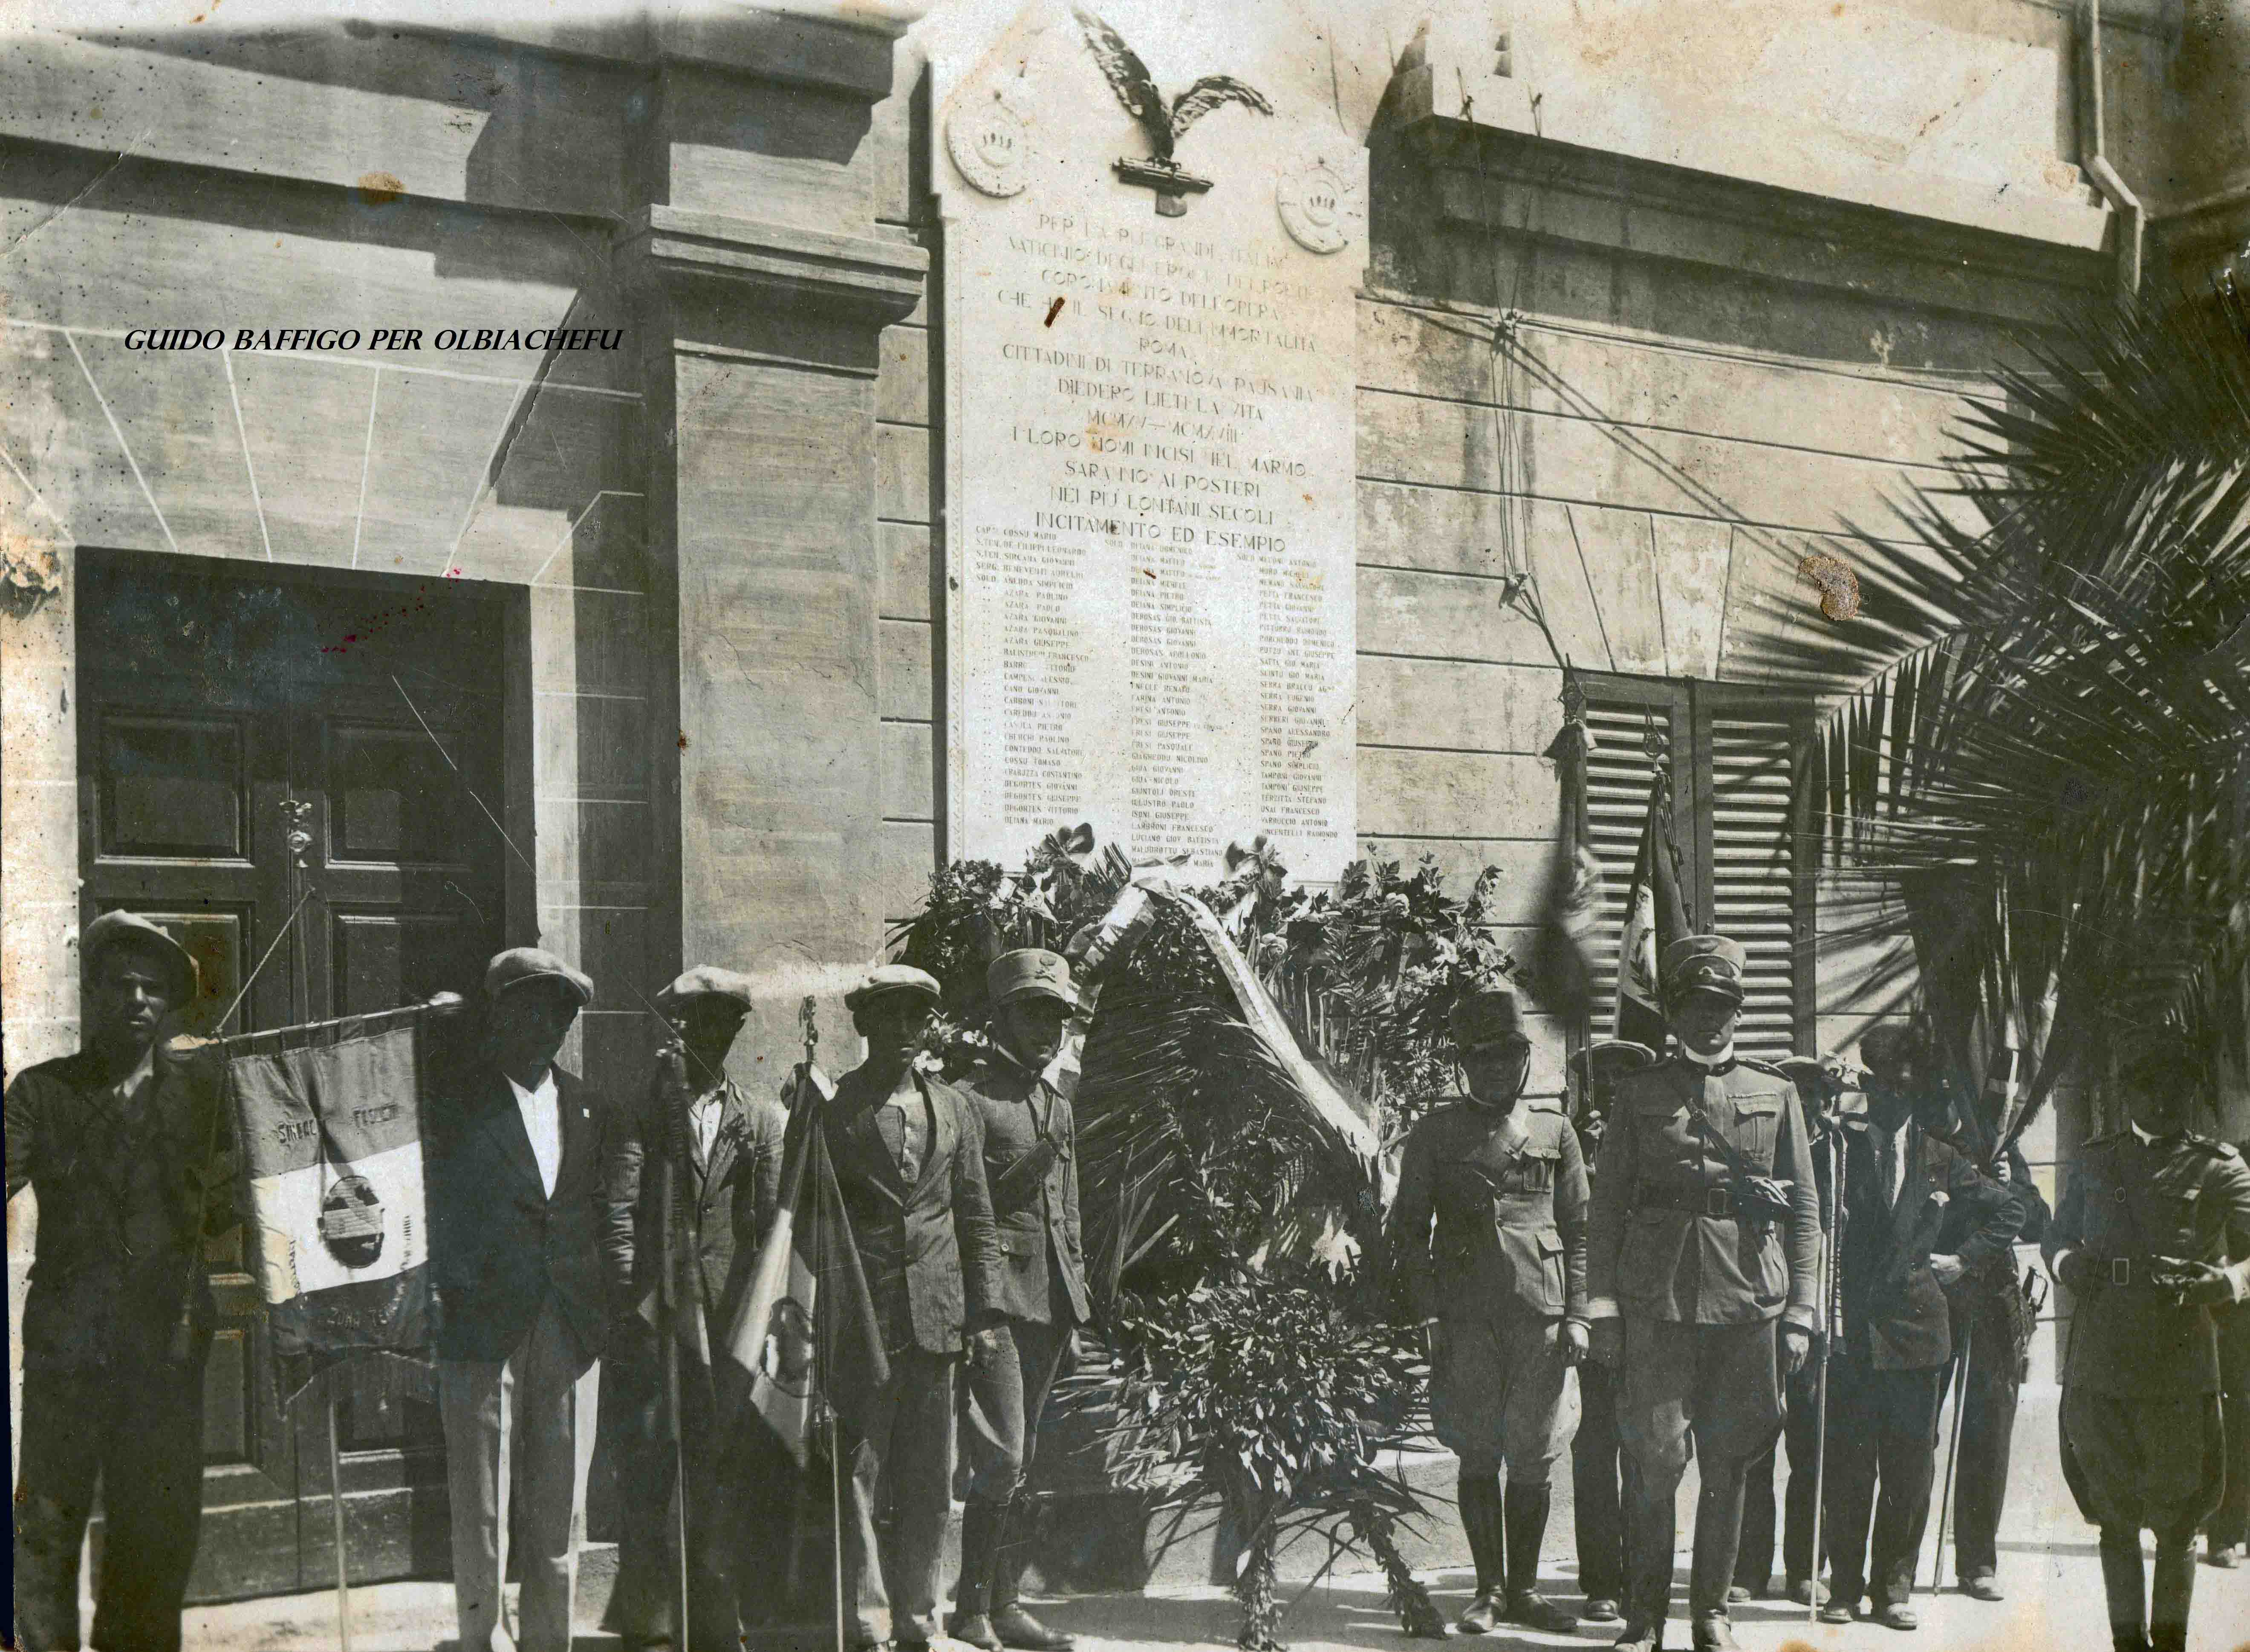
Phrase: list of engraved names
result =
(1154, 542)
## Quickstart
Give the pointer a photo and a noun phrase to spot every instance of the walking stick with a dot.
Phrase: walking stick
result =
(671, 1110)
(1832, 1327)
(1952, 1453)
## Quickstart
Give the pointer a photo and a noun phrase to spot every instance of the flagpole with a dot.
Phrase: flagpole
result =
(336, 1519)
(814, 1140)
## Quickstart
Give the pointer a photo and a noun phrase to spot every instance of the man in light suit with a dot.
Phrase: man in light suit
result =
(516, 1206)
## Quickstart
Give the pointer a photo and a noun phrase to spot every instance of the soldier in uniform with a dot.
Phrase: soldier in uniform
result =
(724, 1149)
(117, 1148)
(1500, 1286)
(1704, 1235)
(1599, 1465)
(908, 1153)
(2230, 1525)
(2151, 1212)
(1031, 1166)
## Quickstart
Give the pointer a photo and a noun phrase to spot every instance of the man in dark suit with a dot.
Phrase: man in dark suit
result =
(516, 1210)
(2230, 1525)
(1029, 1162)
(711, 1154)
(117, 1148)
(909, 1160)
(1899, 1179)
(1601, 1470)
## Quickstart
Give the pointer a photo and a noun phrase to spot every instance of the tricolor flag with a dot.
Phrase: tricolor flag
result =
(1654, 917)
(806, 1334)
(329, 1121)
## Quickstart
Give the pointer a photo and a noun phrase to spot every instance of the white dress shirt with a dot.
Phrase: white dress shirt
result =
(543, 1122)
(703, 1118)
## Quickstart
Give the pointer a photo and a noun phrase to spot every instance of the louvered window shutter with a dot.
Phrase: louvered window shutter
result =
(1619, 774)
(1754, 876)
(1743, 871)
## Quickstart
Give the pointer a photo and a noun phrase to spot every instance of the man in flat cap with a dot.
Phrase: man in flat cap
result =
(707, 1154)
(118, 1150)
(517, 1207)
(1031, 1165)
(1500, 1285)
(1704, 1234)
(908, 1153)
(1601, 1472)
(2150, 1214)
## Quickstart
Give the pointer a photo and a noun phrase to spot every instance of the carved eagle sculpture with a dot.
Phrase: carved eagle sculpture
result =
(1136, 90)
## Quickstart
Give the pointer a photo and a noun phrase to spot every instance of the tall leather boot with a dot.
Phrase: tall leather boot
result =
(2122, 1580)
(2171, 1590)
(1014, 1626)
(1718, 1538)
(980, 1535)
(1482, 1522)
(1524, 1519)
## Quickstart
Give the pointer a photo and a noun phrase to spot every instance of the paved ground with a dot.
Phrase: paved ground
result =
(2055, 1603)
(2048, 1565)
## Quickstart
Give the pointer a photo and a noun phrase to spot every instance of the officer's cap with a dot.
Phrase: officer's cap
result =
(2159, 1061)
(1816, 1081)
(522, 963)
(1704, 963)
(1487, 1015)
(1602, 1064)
(705, 980)
(117, 932)
(1029, 973)
(887, 978)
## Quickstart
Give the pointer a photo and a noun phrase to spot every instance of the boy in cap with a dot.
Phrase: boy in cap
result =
(118, 1153)
(1500, 1286)
(1705, 1231)
(517, 1209)
(909, 1161)
(1029, 1165)
(721, 1150)
(2151, 1212)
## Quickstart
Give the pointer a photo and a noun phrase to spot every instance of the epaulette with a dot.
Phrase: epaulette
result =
(1768, 1067)
(1543, 1104)
(2213, 1145)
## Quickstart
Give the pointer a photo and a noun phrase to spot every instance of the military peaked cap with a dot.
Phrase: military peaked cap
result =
(1029, 973)
(1602, 1064)
(1485, 1015)
(1704, 963)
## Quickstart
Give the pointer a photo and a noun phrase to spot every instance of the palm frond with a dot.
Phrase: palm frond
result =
(2048, 716)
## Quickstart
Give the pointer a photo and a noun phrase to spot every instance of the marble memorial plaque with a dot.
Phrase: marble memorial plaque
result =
(1150, 516)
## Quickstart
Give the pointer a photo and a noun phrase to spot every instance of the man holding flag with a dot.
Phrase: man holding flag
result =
(693, 1182)
(900, 1262)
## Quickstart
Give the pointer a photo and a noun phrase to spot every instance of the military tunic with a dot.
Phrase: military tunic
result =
(2141, 1437)
(1506, 1266)
(1700, 1293)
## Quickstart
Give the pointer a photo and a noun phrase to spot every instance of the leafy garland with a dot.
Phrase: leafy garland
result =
(1234, 1237)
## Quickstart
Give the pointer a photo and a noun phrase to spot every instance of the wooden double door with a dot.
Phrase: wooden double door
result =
(292, 775)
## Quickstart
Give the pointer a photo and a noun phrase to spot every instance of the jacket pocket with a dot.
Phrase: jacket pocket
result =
(1552, 1283)
(1758, 1126)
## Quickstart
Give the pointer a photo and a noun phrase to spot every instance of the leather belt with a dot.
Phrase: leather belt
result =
(2127, 1271)
(1714, 1200)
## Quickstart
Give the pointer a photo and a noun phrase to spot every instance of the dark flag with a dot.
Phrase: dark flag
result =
(1654, 917)
(1561, 979)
